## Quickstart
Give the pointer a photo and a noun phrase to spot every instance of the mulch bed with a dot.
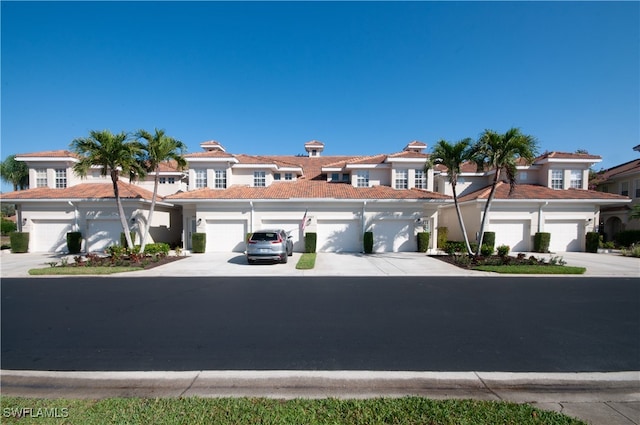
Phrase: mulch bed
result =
(145, 264)
(472, 261)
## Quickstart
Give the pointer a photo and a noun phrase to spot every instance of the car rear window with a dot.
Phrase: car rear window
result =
(264, 236)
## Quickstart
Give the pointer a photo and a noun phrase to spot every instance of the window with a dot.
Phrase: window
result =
(624, 188)
(557, 179)
(288, 176)
(172, 180)
(201, 178)
(162, 180)
(523, 176)
(346, 177)
(402, 179)
(41, 177)
(277, 176)
(221, 179)
(335, 177)
(420, 180)
(259, 179)
(362, 178)
(576, 179)
(61, 178)
(637, 188)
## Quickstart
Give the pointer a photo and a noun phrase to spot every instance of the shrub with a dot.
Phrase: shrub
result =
(74, 242)
(368, 242)
(442, 237)
(593, 241)
(116, 252)
(451, 247)
(199, 242)
(8, 226)
(489, 238)
(473, 246)
(310, 240)
(503, 250)
(486, 250)
(633, 251)
(19, 242)
(423, 241)
(123, 240)
(160, 248)
(541, 242)
(627, 237)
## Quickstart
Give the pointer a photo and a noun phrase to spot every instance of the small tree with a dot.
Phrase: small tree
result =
(15, 172)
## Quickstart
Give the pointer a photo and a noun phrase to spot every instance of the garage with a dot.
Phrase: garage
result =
(565, 235)
(394, 236)
(292, 227)
(339, 236)
(514, 233)
(50, 235)
(226, 235)
(102, 234)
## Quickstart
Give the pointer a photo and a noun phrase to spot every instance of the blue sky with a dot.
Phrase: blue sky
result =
(362, 77)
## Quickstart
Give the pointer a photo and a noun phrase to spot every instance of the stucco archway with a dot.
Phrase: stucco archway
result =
(612, 226)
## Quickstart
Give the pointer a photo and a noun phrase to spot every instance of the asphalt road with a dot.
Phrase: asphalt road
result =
(535, 324)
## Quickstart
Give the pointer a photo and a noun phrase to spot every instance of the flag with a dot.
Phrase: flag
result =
(304, 220)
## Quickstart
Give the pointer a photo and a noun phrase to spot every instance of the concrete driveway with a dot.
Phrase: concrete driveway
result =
(329, 264)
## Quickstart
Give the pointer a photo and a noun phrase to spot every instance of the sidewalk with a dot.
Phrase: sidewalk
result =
(596, 398)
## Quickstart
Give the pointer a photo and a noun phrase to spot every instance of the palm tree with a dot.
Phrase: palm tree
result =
(15, 172)
(501, 152)
(114, 154)
(159, 148)
(452, 156)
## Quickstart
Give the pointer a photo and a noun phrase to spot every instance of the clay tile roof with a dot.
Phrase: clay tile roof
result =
(168, 166)
(82, 191)
(308, 189)
(567, 155)
(49, 154)
(619, 170)
(373, 159)
(409, 154)
(209, 154)
(532, 191)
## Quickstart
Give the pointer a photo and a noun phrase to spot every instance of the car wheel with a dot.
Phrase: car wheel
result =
(290, 253)
(284, 260)
(251, 261)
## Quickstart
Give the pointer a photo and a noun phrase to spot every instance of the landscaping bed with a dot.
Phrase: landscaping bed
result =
(521, 264)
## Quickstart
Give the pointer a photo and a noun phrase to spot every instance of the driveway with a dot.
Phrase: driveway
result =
(329, 264)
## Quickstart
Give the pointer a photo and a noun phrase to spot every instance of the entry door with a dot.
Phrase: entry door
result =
(192, 228)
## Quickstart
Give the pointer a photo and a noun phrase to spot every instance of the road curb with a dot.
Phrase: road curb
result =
(518, 387)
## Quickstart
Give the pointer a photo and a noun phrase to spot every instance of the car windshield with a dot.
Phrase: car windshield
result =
(264, 236)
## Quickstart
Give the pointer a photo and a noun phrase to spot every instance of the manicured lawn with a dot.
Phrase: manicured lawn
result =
(307, 261)
(194, 410)
(532, 269)
(66, 271)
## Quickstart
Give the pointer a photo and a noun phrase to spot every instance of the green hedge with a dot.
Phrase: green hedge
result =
(541, 242)
(199, 242)
(123, 239)
(310, 240)
(74, 242)
(8, 226)
(368, 242)
(593, 241)
(489, 239)
(157, 248)
(423, 241)
(19, 242)
(627, 237)
(442, 237)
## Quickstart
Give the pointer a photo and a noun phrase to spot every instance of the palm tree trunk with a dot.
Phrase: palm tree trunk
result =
(464, 230)
(123, 219)
(153, 206)
(486, 209)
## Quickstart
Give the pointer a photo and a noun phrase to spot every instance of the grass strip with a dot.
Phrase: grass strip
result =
(66, 271)
(239, 411)
(307, 261)
(532, 269)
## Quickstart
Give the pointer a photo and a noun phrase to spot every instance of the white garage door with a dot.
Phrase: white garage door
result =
(50, 235)
(226, 235)
(339, 236)
(565, 235)
(102, 234)
(394, 236)
(514, 233)
(292, 227)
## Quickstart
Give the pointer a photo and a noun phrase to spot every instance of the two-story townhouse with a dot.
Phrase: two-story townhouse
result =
(551, 196)
(624, 180)
(59, 201)
(337, 197)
